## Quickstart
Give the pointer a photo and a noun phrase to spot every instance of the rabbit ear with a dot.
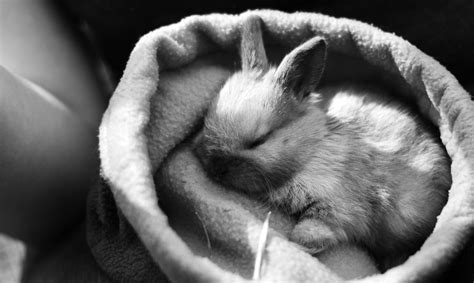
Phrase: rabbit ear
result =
(252, 50)
(300, 71)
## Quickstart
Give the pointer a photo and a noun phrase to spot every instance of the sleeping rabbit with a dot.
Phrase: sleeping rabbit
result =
(349, 163)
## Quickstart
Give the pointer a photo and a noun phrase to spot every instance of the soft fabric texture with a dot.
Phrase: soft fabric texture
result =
(156, 215)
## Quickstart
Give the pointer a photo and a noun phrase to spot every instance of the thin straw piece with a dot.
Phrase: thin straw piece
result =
(261, 247)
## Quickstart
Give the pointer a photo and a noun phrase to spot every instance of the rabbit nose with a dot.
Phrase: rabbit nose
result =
(221, 171)
(219, 165)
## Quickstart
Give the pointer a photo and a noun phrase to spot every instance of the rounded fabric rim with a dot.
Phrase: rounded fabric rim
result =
(128, 169)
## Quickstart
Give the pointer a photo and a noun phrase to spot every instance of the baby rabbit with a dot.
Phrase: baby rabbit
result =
(348, 163)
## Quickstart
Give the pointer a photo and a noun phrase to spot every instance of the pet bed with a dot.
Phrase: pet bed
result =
(156, 216)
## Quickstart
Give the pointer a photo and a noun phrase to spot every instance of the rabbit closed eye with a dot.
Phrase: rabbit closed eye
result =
(355, 168)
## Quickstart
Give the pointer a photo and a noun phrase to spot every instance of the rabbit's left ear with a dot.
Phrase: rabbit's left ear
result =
(300, 71)
(252, 50)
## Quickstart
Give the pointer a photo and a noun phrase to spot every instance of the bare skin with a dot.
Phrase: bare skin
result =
(50, 107)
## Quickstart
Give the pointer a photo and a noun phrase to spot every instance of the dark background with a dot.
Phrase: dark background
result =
(442, 29)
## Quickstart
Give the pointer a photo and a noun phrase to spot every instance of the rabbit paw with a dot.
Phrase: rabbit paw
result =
(314, 235)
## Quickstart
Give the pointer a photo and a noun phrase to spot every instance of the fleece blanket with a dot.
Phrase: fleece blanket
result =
(156, 216)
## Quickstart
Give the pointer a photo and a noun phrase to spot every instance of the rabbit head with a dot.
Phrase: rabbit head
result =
(258, 130)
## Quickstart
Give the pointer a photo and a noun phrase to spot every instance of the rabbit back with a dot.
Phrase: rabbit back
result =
(381, 174)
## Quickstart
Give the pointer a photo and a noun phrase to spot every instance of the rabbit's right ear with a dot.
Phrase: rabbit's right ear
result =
(252, 50)
(300, 71)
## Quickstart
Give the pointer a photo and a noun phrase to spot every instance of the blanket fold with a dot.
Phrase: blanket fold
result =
(156, 216)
